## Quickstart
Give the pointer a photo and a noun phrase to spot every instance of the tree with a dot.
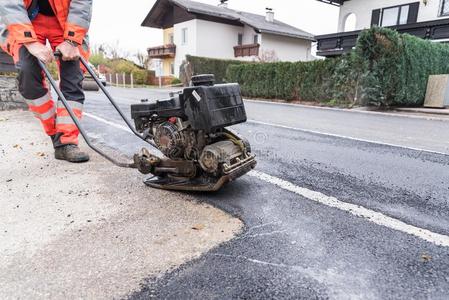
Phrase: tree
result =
(97, 59)
(268, 56)
(143, 60)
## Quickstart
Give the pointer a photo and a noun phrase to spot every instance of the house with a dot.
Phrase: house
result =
(427, 19)
(200, 29)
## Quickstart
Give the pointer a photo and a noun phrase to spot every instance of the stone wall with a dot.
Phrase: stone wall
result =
(10, 97)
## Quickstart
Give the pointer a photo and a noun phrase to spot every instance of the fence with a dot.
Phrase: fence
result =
(120, 79)
(130, 80)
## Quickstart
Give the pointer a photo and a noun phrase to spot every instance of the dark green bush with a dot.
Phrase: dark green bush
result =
(140, 76)
(218, 67)
(285, 80)
(395, 67)
(175, 81)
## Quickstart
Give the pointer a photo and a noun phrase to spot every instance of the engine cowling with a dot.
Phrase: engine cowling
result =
(170, 140)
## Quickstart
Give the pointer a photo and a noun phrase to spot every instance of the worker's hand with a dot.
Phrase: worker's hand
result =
(40, 51)
(68, 51)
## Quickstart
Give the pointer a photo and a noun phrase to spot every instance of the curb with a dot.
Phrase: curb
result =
(427, 116)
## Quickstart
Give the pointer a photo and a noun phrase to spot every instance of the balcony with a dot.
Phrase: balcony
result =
(165, 51)
(338, 43)
(246, 50)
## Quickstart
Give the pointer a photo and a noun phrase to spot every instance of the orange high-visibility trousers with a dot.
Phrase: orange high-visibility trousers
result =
(54, 117)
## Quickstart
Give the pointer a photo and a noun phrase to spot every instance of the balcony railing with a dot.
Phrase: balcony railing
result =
(339, 43)
(165, 51)
(246, 50)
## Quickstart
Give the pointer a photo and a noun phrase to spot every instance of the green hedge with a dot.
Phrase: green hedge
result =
(218, 67)
(385, 69)
(396, 67)
(285, 80)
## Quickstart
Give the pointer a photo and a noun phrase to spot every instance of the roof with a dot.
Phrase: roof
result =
(334, 2)
(258, 22)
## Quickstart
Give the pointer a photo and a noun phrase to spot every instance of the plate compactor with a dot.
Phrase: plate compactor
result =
(199, 152)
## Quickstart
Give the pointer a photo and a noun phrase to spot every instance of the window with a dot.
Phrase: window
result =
(184, 36)
(256, 39)
(444, 10)
(240, 39)
(396, 15)
(172, 68)
(350, 22)
(171, 38)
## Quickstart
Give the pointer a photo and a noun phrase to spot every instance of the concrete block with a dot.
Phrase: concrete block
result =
(10, 97)
(437, 95)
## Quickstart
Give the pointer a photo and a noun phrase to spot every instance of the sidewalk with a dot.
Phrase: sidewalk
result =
(423, 110)
(89, 231)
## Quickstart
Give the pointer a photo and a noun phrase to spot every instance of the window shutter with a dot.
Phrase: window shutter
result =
(413, 13)
(375, 18)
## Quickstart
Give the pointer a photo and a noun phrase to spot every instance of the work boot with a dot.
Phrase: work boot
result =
(71, 153)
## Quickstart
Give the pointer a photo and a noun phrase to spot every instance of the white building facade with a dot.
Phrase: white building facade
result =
(218, 32)
(426, 19)
(391, 12)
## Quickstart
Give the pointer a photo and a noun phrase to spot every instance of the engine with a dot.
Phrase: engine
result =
(189, 128)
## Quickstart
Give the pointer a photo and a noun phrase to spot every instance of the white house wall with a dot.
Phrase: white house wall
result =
(248, 35)
(216, 40)
(363, 10)
(286, 48)
(183, 49)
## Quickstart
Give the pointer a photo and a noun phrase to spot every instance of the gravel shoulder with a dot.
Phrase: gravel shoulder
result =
(92, 230)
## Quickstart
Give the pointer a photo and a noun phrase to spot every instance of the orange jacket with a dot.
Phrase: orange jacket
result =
(16, 28)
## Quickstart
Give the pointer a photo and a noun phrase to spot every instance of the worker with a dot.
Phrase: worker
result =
(25, 28)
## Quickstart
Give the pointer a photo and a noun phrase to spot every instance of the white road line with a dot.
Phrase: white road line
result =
(357, 210)
(345, 137)
(118, 126)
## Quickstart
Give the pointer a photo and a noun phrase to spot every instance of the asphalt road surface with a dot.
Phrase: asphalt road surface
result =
(342, 205)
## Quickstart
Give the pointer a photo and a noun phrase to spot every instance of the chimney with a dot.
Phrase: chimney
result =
(270, 15)
(223, 3)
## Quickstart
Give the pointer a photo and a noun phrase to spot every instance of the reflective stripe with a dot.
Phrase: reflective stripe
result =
(13, 12)
(16, 19)
(82, 22)
(72, 104)
(45, 116)
(39, 101)
(71, 139)
(64, 121)
(3, 34)
(80, 13)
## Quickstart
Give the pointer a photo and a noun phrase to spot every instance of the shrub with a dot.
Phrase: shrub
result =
(346, 79)
(285, 80)
(395, 67)
(386, 69)
(218, 67)
(175, 81)
(140, 76)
